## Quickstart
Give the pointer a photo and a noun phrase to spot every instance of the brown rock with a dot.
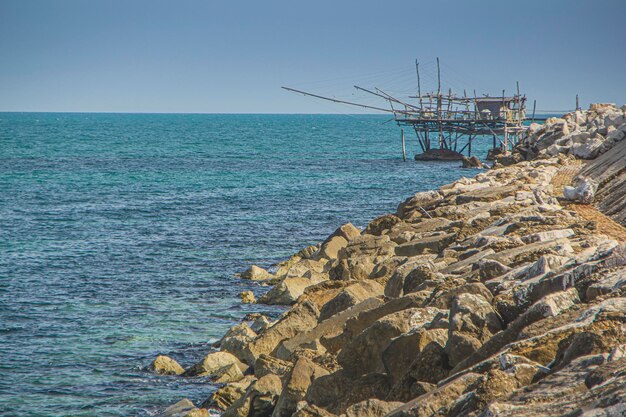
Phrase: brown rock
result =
(364, 353)
(213, 365)
(404, 349)
(380, 224)
(438, 400)
(432, 244)
(336, 392)
(256, 273)
(267, 364)
(350, 296)
(287, 291)
(235, 340)
(247, 297)
(330, 249)
(297, 383)
(164, 365)
(300, 318)
(372, 408)
(225, 396)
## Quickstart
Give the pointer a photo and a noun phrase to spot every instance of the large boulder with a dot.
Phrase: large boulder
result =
(215, 364)
(296, 385)
(287, 291)
(185, 408)
(235, 340)
(359, 258)
(226, 395)
(425, 200)
(473, 321)
(164, 365)
(259, 400)
(372, 408)
(363, 354)
(337, 391)
(439, 400)
(256, 273)
(350, 296)
(300, 318)
(431, 244)
(381, 224)
(400, 354)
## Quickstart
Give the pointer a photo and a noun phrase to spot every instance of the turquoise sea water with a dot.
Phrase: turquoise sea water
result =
(120, 235)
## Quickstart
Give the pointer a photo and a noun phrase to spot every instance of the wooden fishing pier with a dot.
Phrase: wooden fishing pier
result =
(446, 124)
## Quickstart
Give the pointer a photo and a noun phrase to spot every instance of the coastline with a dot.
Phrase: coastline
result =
(479, 298)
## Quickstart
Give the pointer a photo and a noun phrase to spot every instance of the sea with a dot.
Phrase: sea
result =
(121, 236)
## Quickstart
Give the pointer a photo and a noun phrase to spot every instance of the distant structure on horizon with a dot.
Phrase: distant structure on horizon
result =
(446, 124)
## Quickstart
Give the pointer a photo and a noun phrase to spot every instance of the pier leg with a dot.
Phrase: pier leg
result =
(403, 147)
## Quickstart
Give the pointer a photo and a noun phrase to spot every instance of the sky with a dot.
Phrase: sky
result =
(205, 56)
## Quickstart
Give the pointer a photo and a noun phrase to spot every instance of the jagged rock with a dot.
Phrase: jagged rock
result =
(247, 297)
(259, 400)
(228, 373)
(606, 284)
(363, 354)
(225, 396)
(260, 323)
(235, 340)
(300, 318)
(287, 291)
(438, 400)
(545, 264)
(487, 194)
(472, 162)
(328, 328)
(432, 244)
(421, 201)
(380, 224)
(418, 268)
(550, 306)
(548, 235)
(164, 365)
(444, 296)
(472, 322)
(472, 314)
(256, 273)
(350, 296)
(371, 408)
(408, 278)
(337, 391)
(358, 259)
(310, 410)
(214, 363)
(403, 350)
(338, 240)
(267, 364)
(180, 409)
(330, 249)
(587, 343)
(490, 268)
(365, 319)
(297, 383)
(565, 393)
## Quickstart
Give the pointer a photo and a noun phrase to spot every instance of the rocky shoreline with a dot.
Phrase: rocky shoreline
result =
(498, 295)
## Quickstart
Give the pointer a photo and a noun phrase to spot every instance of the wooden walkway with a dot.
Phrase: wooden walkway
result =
(604, 224)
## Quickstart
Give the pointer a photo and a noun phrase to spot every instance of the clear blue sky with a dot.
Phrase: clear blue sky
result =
(233, 56)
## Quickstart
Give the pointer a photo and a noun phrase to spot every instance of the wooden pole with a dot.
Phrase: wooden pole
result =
(577, 106)
(403, 148)
(532, 120)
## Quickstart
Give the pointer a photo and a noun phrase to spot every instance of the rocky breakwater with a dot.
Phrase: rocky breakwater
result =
(484, 298)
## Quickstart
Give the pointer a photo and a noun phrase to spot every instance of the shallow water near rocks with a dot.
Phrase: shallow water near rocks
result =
(120, 235)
